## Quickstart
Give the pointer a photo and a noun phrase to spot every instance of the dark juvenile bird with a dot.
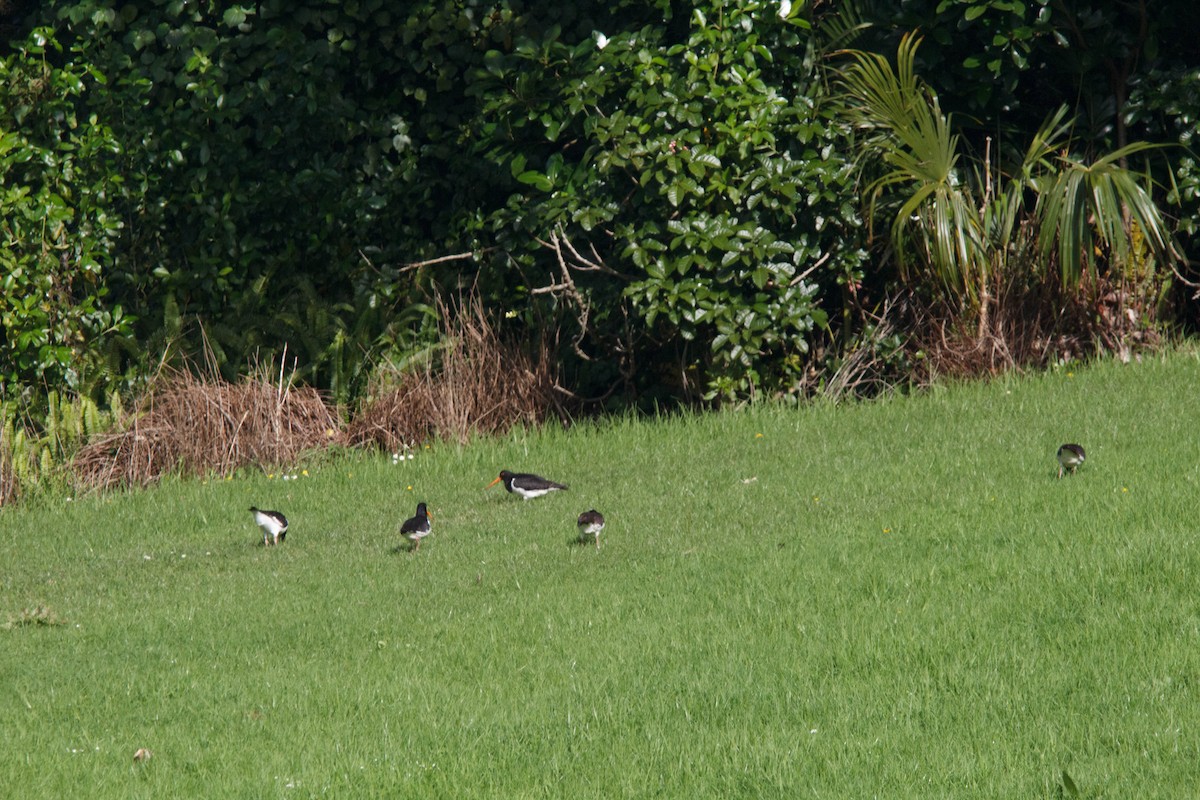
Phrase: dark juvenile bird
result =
(418, 527)
(1070, 456)
(274, 525)
(590, 524)
(526, 485)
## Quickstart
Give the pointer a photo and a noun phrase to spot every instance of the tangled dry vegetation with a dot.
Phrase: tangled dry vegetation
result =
(912, 341)
(1039, 326)
(478, 384)
(199, 425)
(195, 425)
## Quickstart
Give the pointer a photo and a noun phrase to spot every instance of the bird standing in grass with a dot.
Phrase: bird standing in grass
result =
(418, 527)
(590, 524)
(274, 525)
(1070, 456)
(526, 485)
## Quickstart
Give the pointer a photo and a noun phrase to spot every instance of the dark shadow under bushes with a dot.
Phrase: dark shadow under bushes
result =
(199, 425)
(475, 384)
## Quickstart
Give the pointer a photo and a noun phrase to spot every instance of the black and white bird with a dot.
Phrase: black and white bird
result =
(526, 485)
(590, 524)
(417, 528)
(274, 525)
(1070, 456)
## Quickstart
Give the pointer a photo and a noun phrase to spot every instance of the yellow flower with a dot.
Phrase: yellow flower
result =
(410, 488)
(1070, 374)
(758, 436)
(887, 530)
(1125, 489)
(304, 472)
(270, 475)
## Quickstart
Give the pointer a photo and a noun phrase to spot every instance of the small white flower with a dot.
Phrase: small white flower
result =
(601, 40)
(785, 9)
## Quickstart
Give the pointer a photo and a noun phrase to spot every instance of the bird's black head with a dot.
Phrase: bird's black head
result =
(422, 511)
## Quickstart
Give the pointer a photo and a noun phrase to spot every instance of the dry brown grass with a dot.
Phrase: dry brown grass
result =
(198, 425)
(912, 342)
(1037, 327)
(477, 384)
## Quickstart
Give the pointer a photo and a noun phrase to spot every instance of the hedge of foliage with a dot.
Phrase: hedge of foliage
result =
(664, 191)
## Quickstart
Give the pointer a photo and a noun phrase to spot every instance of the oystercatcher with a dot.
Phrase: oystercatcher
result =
(418, 527)
(1070, 456)
(590, 524)
(526, 485)
(274, 525)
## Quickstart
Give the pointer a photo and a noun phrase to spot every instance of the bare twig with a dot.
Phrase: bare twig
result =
(439, 260)
(810, 270)
(470, 254)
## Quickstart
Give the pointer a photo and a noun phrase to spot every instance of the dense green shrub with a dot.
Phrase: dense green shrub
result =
(57, 323)
(705, 181)
(659, 190)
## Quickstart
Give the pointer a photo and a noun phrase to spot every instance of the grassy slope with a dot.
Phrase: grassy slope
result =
(901, 601)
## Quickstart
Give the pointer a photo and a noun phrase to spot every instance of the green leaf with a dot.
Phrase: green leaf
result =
(517, 165)
(535, 179)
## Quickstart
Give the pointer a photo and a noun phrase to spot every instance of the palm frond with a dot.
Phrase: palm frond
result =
(1087, 209)
(936, 223)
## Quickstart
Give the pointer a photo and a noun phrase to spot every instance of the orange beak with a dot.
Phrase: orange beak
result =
(493, 483)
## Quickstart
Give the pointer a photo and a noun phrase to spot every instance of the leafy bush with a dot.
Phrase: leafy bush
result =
(59, 229)
(664, 186)
(692, 200)
(272, 183)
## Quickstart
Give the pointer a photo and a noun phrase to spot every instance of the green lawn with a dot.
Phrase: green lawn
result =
(895, 599)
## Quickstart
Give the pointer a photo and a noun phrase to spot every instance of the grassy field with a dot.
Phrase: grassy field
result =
(895, 599)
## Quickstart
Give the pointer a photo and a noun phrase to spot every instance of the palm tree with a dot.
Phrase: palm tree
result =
(959, 228)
